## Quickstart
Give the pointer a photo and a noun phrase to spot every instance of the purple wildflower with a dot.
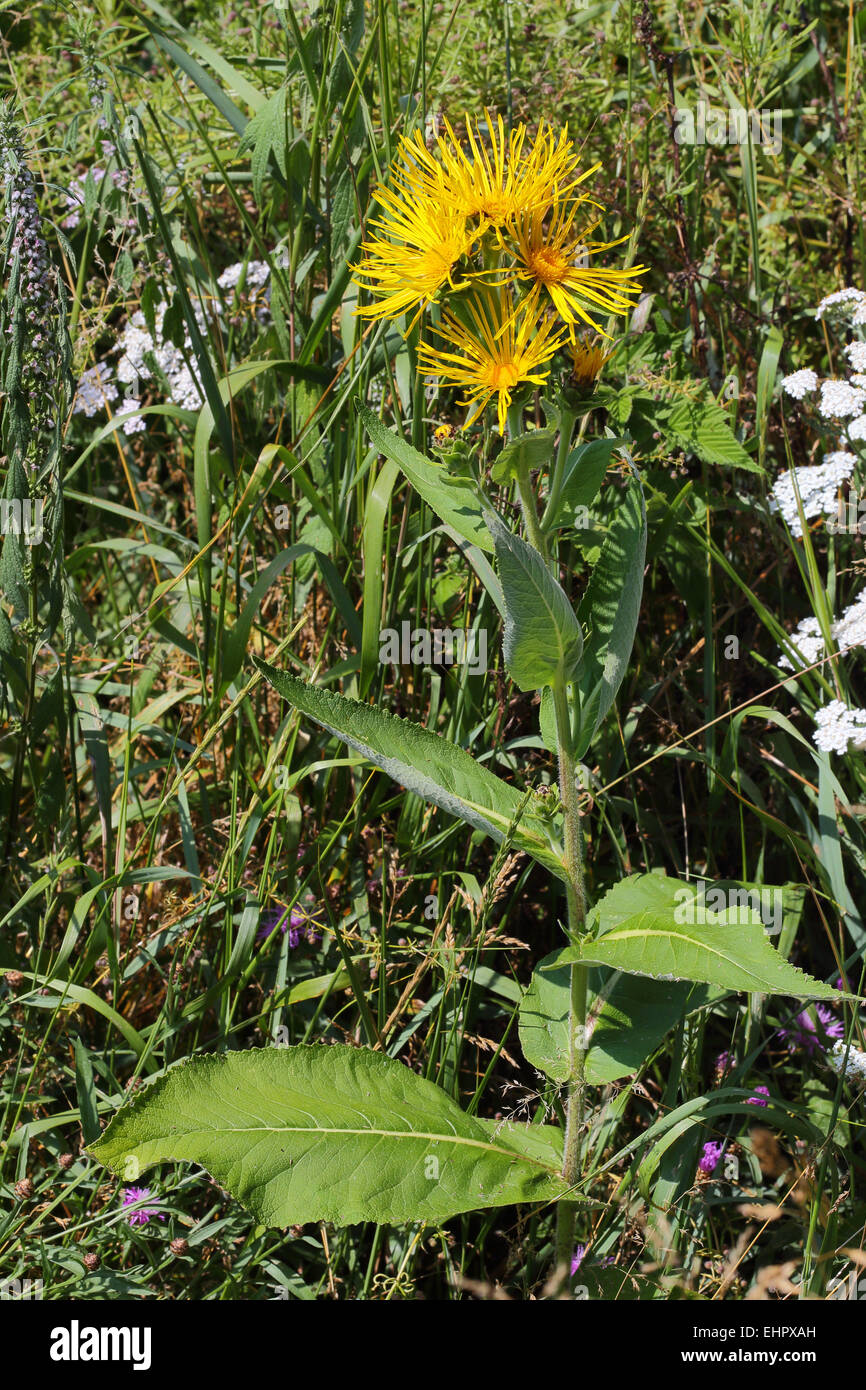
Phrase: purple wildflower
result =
(725, 1062)
(807, 1035)
(271, 919)
(712, 1152)
(577, 1258)
(760, 1098)
(140, 1217)
(302, 925)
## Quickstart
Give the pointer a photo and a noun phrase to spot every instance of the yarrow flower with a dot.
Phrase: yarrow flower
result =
(95, 390)
(842, 303)
(848, 631)
(798, 383)
(142, 354)
(818, 485)
(856, 354)
(840, 399)
(837, 727)
(807, 638)
(848, 1060)
(712, 1152)
(140, 1217)
(812, 1035)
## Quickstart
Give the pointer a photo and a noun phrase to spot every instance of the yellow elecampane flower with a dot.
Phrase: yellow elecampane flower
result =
(587, 360)
(547, 251)
(498, 351)
(415, 256)
(499, 177)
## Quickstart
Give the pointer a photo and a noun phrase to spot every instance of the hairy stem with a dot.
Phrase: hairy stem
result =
(577, 1039)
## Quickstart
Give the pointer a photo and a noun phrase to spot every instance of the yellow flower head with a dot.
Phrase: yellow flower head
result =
(443, 435)
(415, 256)
(556, 260)
(498, 177)
(587, 360)
(498, 351)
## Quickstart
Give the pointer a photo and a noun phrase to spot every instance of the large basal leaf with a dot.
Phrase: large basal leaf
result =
(336, 1134)
(610, 609)
(656, 926)
(424, 762)
(455, 502)
(543, 643)
(627, 1019)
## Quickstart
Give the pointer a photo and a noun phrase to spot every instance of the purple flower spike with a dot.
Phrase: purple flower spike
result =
(577, 1258)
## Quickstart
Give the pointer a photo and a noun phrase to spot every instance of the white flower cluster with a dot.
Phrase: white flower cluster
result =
(848, 1059)
(137, 345)
(256, 287)
(843, 304)
(807, 638)
(856, 354)
(837, 727)
(848, 631)
(95, 390)
(817, 485)
(798, 383)
(138, 348)
(257, 275)
(839, 399)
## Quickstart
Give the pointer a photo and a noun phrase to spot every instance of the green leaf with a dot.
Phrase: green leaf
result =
(656, 926)
(527, 450)
(543, 642)
(767, 368)
(701, 428)
(627, 1019)
(583, 476)
(454, 500)
(425, 763)
(610, 608)
(338, 1134)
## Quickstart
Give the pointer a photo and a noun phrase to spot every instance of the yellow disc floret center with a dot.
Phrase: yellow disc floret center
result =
(501, 376)
(548, 265)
